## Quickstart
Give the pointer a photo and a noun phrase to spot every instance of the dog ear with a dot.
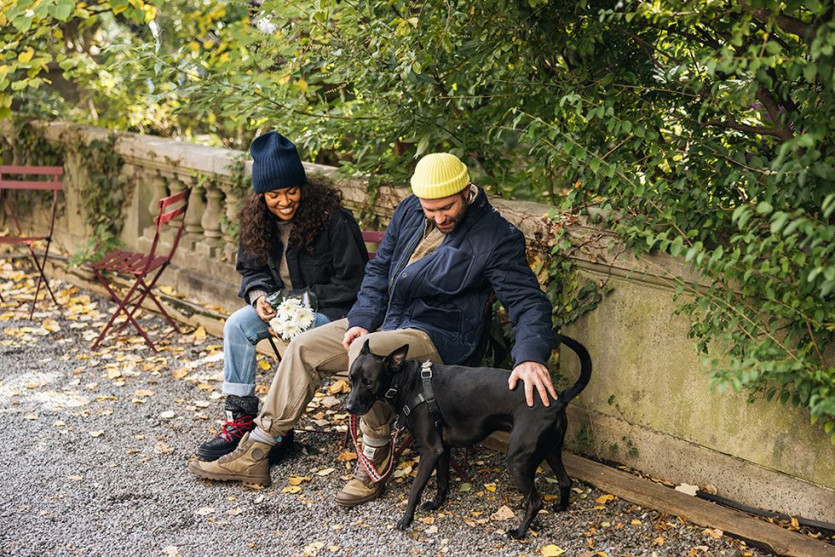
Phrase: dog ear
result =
(365, 349)
(396, 358)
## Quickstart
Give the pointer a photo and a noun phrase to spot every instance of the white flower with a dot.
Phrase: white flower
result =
(292, 317)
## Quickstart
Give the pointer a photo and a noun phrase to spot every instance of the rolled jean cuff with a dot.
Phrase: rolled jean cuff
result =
(238, 389)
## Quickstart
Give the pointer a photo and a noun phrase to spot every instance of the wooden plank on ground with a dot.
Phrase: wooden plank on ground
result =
(704, 513)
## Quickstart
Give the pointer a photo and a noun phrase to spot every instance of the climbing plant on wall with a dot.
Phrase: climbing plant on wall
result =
(103, 195)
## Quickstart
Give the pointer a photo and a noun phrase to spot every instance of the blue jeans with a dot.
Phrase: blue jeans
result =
(241, 333)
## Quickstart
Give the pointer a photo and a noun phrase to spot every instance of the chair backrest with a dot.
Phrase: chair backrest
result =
(44, 178)
(372, 237)
(170, 208)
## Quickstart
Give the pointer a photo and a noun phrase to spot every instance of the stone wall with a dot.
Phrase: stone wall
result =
(649, 404)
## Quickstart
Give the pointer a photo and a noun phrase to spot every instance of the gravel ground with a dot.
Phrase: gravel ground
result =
(98, 443)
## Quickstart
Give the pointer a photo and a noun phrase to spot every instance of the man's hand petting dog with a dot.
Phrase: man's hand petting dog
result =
(534, 375)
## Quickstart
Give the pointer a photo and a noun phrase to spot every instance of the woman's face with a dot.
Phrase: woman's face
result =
(283, 203)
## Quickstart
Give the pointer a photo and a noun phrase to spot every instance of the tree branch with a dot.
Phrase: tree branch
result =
(776, 113)
(788, 24)
(745, 128)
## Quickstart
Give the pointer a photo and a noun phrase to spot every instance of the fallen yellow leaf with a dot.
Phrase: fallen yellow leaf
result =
(263, 365)
(551, 551)
(603, 499)
(291, 489)
(504, 513)
(339, 386)
(180, 373)
(297, 480)
(144, 392)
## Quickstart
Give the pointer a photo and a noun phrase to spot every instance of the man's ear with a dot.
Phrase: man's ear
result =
(395, 360)
(365, 349)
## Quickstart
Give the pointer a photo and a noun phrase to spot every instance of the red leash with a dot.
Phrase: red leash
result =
(372, 472)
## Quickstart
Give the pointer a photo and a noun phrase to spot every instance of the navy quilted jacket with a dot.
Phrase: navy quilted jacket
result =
(444, 293)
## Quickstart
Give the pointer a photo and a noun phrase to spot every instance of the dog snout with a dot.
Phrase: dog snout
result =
(355, 406)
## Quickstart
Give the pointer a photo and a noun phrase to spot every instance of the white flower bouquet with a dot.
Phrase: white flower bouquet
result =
(294, 314)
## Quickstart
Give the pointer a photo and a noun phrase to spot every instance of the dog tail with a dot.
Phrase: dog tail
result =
(585, 368)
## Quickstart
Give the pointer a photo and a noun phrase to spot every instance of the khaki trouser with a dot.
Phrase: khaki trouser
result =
(318, 353)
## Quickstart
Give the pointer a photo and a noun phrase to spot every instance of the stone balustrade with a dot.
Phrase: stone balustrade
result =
(649, 403)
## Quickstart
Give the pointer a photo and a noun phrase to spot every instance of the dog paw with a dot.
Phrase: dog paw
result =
(403, 523)
(558, 507)
(516, 533)
(431, 506)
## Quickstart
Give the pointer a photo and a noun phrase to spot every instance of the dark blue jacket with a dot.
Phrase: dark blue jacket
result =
(444, 293)
(333, 271)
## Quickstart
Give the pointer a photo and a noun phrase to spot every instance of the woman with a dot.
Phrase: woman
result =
(295, 235)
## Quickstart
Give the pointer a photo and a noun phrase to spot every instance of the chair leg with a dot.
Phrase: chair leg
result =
(461, 470)
(122, 303)
(41, 277)
(275, 348)
(163, 312)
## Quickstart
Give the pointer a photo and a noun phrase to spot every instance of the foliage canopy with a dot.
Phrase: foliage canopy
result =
(699, 128)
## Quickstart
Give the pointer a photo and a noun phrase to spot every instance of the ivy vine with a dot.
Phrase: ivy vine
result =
(103, 197)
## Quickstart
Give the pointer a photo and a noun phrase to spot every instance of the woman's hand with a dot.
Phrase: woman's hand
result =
(264, 310)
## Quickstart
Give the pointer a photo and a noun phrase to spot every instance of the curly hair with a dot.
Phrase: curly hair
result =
(258, 227)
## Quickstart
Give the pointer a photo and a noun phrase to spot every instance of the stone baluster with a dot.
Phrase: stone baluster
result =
(212, 236)
(194, 216)
(232, 222)
(160, 190)
(176, 184)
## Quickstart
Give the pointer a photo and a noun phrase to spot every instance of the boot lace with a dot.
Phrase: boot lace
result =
(235, 429)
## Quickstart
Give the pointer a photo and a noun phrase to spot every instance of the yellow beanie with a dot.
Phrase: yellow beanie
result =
(439, 175)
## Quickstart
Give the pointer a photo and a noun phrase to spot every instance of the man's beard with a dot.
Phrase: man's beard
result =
(453, 222)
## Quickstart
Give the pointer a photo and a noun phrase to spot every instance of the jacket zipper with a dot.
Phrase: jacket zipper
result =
(407, 254)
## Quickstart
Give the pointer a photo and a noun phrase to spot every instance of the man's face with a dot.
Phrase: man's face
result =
(447, 212)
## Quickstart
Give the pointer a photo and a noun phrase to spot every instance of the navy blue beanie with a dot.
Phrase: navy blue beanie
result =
(275, 163)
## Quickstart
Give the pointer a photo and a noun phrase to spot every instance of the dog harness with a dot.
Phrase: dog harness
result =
(426, 396)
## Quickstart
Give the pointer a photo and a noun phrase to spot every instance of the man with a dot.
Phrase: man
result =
(444, 250)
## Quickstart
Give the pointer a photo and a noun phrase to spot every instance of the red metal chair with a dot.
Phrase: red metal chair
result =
(372, 237)
(141, 266)
(20, 178)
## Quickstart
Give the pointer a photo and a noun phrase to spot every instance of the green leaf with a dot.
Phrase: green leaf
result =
(764, 207)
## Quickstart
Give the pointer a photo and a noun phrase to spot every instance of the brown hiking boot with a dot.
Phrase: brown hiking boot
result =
(360, 488)
(249, 464)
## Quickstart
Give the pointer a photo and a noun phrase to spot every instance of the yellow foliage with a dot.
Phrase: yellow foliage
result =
(26, 55)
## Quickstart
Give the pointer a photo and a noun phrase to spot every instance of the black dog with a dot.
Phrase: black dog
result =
(456, 406)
